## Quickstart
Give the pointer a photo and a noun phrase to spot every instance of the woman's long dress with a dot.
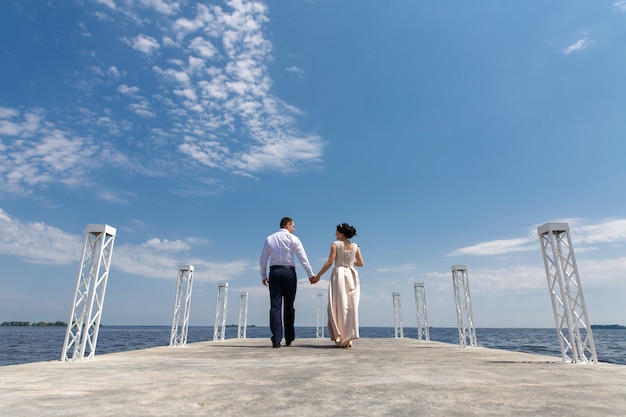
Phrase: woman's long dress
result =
(343, 296)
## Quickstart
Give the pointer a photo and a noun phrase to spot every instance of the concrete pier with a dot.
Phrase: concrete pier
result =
(377, 377)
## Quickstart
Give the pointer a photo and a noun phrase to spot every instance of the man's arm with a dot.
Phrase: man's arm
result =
(304, 261)
(265, 257)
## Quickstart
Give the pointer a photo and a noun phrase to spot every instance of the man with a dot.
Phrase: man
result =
(279, 250)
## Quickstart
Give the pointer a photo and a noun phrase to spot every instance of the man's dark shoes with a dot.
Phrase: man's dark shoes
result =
(288, 342)
(276, 345)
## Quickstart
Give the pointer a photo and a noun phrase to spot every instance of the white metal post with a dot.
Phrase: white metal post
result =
(182, 306)
(465, 319)
(82, 328)
(420, 312)
(319, 327)
(220, 312)
(566, 294)
(398, 329)
(243, 315)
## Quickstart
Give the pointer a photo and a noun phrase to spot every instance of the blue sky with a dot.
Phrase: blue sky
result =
(445, 132)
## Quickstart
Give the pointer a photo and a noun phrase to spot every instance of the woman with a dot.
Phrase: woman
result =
(343, 289)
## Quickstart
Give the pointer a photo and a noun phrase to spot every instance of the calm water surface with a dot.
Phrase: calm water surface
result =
(36, 344)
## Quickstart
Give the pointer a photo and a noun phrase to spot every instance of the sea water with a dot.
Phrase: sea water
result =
(36, 344)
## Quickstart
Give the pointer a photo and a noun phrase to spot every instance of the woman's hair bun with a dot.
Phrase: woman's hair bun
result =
(347, 230)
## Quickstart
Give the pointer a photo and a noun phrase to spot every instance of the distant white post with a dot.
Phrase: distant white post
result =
(398, 330)
(566, 293)
(182, 306)
(220, 312)
(319, 327)
(465, 319)
(420, 311)
(84, 323)
(243, 315)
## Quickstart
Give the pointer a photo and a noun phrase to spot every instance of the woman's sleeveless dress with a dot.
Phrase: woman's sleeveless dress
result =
(343, 296)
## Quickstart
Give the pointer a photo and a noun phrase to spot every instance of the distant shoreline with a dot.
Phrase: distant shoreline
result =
(29, 324)
(607, 326)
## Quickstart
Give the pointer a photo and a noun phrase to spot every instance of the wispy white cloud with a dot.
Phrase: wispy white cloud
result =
(496, 247)
(531, 279)
(143, 43)
(593, 274)
(397, 268)
(8, 113)
(36, 152)
(114, 71)
(607, 272)
(213, 103)
(135, 10)
(162, 6)
(608, 231)
(620, 6)
(229, 93)
(39, 243)
(126, 90)
(112, 197)
(150, 262)
(203, 47)
(142, 109)
(108, 3)
(513, 279)
(299, 72)
(579, 45)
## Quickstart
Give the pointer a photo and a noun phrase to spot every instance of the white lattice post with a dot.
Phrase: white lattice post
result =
(81, 336)
(398, 330)
(566, 294)
(420, 312)
(182, 306)
(243, 315)
(319, 327)
(220, 312)
(465, 319)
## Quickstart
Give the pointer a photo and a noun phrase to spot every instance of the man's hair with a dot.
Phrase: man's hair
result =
(284, 222)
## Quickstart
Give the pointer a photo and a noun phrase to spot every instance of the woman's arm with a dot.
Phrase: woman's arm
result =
(328, 263)
(359, 257)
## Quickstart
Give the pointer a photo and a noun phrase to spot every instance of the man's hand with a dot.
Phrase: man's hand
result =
(265, 280)
(313, 279)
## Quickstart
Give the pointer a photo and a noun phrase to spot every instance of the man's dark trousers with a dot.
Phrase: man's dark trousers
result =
(282, 283)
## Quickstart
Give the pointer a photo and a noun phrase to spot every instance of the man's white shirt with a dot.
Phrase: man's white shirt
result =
(279, 249)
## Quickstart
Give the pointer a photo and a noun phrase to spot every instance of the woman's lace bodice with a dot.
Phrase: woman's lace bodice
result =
(345, 258)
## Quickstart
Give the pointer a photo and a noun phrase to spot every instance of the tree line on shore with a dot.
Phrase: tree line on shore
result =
(28, 323)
